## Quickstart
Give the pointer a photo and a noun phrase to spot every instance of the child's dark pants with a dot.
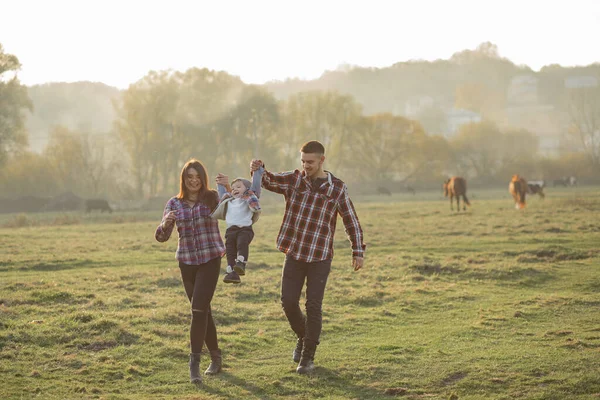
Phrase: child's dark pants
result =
(237, 242)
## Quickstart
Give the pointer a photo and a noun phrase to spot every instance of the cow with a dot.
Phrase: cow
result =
(565, 181)
(97, 204)
(384, 190)
(518, 189)
(534, 187)
(559, 182)
(456, 187)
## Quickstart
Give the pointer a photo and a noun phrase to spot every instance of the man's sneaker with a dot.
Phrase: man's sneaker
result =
(240, 268)
(232, 277)
(307, 364)
(298, 350)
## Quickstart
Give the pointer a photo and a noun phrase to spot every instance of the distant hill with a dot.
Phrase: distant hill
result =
(390, 89)
(440, 94)
(82, 106)
(470, 86)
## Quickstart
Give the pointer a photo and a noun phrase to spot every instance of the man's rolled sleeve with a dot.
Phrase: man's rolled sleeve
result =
(351, 224)
(278, 183)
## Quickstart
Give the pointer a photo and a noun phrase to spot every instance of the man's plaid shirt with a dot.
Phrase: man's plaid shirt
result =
(199, 237)
(306, 233)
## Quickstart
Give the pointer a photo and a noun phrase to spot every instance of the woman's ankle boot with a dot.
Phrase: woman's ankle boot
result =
(216, 362)
(195, 376)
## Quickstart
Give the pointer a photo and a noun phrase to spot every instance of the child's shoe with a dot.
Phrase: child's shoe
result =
(240, 267)
(232, 277)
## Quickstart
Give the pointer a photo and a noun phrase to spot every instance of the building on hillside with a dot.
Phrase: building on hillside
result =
(522, 89)
(414, 106)
(524, 111)
(578, 82)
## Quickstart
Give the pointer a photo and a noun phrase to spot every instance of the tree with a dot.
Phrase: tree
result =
(480, 98)
(381, 151)
(27, 174)
(166, 118)
(146, 124)
(476, 149)
(482, 150)
(13, 102)
(584, 110)
(328, 117)
(65, 156)
(251, 129)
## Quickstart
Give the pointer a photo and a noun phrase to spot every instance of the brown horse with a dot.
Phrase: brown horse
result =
(456, 187)
(518, 189)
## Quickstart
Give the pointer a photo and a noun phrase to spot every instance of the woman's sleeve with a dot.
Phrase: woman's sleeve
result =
(163, 234)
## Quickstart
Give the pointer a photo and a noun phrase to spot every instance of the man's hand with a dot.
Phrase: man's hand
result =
(222, 179)
(357, 262)
(255, 165)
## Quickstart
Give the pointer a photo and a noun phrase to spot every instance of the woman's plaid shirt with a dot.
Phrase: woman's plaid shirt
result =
(199, 237)
(306, 233)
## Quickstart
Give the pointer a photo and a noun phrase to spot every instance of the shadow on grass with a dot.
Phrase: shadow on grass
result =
(233, 380)
(55, 265)
(328, 380)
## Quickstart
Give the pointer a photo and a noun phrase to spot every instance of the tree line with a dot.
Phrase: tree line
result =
(169, 116)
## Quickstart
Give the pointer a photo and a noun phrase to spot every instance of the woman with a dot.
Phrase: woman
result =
(199, 252)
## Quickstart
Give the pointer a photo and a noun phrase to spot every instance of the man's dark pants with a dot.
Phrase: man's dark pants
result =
(294, 274)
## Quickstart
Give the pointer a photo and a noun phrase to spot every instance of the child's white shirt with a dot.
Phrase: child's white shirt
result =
(238, 213)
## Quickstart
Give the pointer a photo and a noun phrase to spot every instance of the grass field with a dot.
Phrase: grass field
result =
(490, 304)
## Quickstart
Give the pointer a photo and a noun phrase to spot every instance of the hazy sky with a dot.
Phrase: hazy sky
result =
(118, 41)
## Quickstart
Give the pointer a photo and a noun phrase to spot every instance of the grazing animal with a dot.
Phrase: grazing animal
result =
(559, 182)
(535, 188)
(410, 189)
(565, 181)
(97, 204)
(456, 187)
(384, 190)
(518, 189)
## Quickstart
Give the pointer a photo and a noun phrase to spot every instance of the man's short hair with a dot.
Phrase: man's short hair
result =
(313, 147)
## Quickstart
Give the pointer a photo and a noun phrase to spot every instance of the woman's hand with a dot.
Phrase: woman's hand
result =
(222, 179)
(169, 220)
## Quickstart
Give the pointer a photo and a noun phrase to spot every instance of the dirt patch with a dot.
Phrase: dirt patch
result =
(430, 268)
(99, 346)
(558, 333)
(396, 391)
(454, 377)
(550, 255)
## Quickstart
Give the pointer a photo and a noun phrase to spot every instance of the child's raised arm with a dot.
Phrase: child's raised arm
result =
(256, 181)
(222, 185)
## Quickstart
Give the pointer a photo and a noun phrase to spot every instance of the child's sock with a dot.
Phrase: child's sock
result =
(240, 258)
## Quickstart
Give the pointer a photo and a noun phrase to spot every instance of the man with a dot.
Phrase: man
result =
(314, 198)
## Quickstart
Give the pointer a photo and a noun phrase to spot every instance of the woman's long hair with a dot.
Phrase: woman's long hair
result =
(207, 195)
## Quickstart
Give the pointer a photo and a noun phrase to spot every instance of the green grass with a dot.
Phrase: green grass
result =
(490, 304)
